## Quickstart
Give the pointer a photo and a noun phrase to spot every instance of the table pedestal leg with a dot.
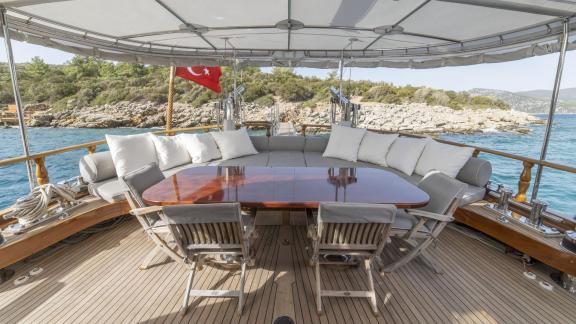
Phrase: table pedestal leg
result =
(285, 217)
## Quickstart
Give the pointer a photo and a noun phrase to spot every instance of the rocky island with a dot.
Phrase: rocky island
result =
(409, 117)
(92, 93)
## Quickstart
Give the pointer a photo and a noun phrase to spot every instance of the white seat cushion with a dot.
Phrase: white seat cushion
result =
(448, 159)
(344, 143)
(201, 147)
(234, 144)
(375, 147)
(169, 151)
(131, 152)
(405, 152)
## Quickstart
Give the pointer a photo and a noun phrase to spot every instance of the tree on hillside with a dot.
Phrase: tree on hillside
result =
(88, 81)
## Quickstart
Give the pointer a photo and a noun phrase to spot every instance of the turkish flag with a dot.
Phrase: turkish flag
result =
(207, 76)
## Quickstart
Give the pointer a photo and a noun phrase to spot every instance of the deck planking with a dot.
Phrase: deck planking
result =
(98, 280)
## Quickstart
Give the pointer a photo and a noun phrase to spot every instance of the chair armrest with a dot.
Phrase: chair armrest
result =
(429, 215)
(145, 210)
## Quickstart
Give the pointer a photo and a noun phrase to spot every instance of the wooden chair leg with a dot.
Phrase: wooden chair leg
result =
(373, 303)
(148, 258)
(242, 281)
(318, 287)
(184, 308)
(414, 252)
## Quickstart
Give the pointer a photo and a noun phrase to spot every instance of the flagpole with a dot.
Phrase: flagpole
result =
(170, 107)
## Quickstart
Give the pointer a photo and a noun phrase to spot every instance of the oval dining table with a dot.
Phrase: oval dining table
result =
(284, 187)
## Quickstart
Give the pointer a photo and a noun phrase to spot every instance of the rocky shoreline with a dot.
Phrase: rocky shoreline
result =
(411, 118)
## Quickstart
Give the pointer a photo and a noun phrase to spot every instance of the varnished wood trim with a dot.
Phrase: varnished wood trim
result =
(545, 250)
(39, 239)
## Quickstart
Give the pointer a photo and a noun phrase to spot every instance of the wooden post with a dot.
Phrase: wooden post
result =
(303, 130)
(41, 172)
(524, 182)
(170, 107)
(91, 149)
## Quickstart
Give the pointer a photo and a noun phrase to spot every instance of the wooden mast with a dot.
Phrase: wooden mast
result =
(170, 107)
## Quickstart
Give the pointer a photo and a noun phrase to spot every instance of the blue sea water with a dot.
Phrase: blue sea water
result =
(557, 188)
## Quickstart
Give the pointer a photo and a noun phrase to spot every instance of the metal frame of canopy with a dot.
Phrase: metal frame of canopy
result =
(29, 30)
(503, 46)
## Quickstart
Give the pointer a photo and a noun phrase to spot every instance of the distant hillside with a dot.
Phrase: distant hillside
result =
(534, 101)
(567, 94)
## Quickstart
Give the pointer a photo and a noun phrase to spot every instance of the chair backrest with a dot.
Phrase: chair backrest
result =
(444, 192)
(354, 226)
(206, 226)
(139, 180)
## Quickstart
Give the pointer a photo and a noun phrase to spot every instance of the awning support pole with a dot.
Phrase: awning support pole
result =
(17, 98)
(341, 70)
(235, 76)
(170, 106)
(553, 104)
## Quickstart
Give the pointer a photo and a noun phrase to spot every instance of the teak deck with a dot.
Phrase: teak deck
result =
(98, 281)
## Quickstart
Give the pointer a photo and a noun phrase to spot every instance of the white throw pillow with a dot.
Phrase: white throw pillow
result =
(234, 144)
(344, 143)
(169, 151)
(405, 152)
(201, 147)
(131, 152)
(448, 159)
(375, 147)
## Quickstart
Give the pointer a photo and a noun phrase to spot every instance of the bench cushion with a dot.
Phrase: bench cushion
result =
(286, 159)
(259, 160)
(97, 167)
(111, 190)
(315, 159)
(315, 144)
(260, 143)
(287, 143)
(476, 172)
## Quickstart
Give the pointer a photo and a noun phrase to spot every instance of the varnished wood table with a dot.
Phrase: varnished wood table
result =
(285, 187)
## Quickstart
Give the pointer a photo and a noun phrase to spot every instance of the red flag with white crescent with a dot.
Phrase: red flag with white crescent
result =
(207, 76)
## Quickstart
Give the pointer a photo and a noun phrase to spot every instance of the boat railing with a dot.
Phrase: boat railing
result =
(525, 177)
(39, 159)
(524, 180)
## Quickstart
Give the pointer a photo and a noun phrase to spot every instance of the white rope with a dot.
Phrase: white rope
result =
(30, 208)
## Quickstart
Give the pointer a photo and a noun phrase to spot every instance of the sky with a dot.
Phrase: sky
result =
(528, 74)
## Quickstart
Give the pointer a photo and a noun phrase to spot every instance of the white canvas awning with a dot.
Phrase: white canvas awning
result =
(308, 33)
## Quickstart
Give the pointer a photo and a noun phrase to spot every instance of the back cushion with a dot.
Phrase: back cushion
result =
(169, 151)
(448, 159)
(375, 147)
(476, 172)
(131, 152)
(344, 143)
(201, 147)
(315, 144)
(405, 152)
(97, 167)
(234, 144)
(287, 143)
(260, 143)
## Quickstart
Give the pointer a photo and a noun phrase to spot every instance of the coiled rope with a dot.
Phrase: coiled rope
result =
(35, 205)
